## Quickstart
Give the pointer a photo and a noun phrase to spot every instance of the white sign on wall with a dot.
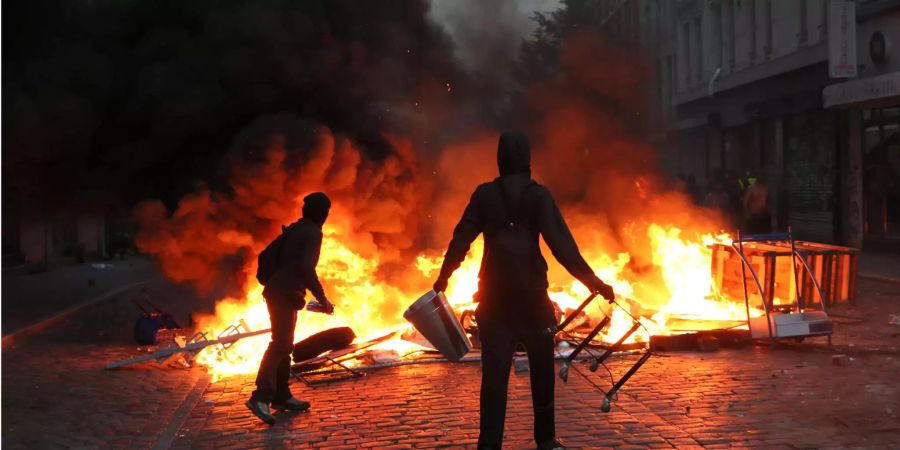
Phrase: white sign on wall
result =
(841, 39)
(858, 91)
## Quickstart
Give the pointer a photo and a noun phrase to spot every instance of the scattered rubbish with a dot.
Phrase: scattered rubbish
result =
(102, 266)
(334, 365)
(413, 336)
(321, 342)
(470, 326)
(895, 319)
(434, 318)
(383, 356)
(154, 326)
(521, 365)
(187, 349)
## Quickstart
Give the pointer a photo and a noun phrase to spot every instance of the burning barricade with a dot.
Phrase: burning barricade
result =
(696, 294)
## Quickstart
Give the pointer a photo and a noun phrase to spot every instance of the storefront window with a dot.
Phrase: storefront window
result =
(810, 163)
(881, 162)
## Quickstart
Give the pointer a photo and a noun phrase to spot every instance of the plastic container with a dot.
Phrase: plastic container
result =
(432, 316)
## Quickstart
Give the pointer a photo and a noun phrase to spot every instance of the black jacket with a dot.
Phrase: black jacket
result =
(298, 259)
(512, 211)
(512, 261)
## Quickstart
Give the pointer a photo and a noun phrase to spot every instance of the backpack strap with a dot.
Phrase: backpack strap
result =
(512, 214)
(281, 236)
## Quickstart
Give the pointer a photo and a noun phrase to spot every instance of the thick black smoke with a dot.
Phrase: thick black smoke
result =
(109, 103)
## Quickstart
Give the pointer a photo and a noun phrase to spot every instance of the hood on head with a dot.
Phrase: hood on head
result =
(514, 153)
(316, 207)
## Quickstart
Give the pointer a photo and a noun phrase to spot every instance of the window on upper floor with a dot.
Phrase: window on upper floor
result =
(803, 34)
(767, 27)
(716, 45)
(686, 66)
(728, 33)
(698, 49)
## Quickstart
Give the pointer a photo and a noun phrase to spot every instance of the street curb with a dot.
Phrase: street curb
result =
(181, 414)
(41, 325)
(878, 278)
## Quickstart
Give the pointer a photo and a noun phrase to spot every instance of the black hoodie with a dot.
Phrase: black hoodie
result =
(300, 252)
(512, 211)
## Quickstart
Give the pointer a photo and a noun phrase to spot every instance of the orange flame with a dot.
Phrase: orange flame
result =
(373, 307)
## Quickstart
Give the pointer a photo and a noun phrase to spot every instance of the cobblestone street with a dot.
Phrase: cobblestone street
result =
(57, 395)
(752, 397)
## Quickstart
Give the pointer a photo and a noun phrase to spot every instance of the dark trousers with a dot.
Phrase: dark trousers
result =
(498, 343)
(275, 368)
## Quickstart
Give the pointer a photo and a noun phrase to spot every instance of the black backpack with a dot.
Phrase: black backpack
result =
(269, 260)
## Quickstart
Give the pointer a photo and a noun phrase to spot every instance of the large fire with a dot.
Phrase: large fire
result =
(369, 305)
(380, 250)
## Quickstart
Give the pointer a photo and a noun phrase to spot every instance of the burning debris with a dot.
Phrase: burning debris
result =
(186, 350)
(381, 246)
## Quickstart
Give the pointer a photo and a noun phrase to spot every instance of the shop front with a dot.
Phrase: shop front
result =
(871, 168)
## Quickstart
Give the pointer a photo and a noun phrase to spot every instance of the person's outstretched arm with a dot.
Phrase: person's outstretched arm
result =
(466, 231)
(308, 261)
(558, 237)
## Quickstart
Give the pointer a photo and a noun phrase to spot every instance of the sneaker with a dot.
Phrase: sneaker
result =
(291, 404)
(551, 445)
(261, 411)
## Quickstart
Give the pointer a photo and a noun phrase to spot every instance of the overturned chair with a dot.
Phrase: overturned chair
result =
(597, 360)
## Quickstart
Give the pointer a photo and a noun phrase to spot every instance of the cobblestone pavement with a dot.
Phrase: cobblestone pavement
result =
(56, 395)
(770, 398)
(59, 396)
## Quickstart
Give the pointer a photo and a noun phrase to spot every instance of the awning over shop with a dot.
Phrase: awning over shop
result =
(872, 90)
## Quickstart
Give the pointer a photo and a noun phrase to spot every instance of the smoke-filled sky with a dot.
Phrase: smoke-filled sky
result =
(484, 33)
(121, 101)
(212, 118)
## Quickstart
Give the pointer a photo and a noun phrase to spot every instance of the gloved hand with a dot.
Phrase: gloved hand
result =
(605, 290)
(440, 285)
(320, 306)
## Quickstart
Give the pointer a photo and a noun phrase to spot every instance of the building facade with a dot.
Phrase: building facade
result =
(746, 87)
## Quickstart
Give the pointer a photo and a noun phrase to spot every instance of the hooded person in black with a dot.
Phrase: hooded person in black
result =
(285, 294)
(513, 306)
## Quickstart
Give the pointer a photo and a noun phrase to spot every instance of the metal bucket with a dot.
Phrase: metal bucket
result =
(432, 316)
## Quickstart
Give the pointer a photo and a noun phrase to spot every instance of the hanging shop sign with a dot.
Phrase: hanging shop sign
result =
(841, 39)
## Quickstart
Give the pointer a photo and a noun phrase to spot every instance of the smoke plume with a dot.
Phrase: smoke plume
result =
(226, 114)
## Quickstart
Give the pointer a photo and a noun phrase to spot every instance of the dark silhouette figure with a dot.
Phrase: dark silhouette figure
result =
(693, 189)
(717, 198)
(735, 189)
(285, 294)
(756, 207)
(512, 211)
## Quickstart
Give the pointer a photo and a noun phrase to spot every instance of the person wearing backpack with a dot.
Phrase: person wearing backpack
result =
(287, 269)
(512, 211)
